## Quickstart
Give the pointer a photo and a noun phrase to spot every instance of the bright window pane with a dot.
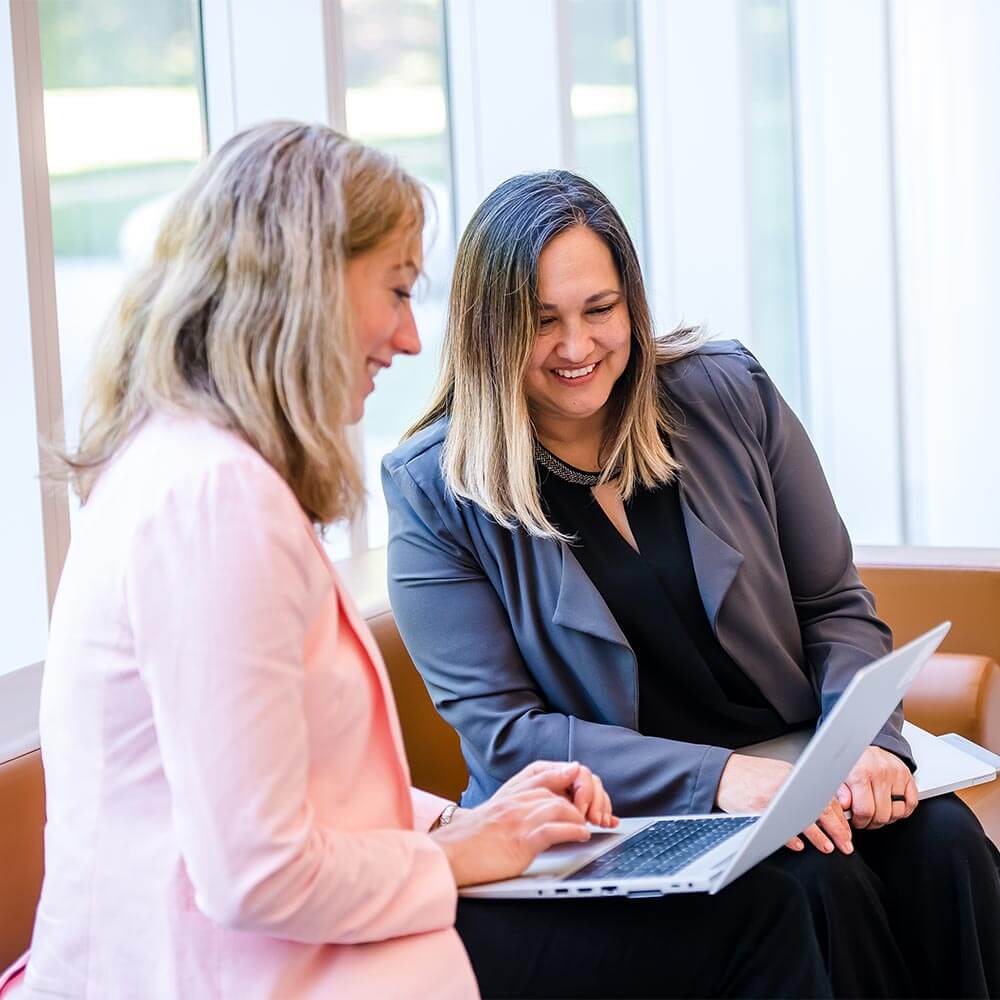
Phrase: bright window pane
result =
(23, 595)
(396, 101)
(604, 104)
(947, 164)
(123, 128)
(773, 257)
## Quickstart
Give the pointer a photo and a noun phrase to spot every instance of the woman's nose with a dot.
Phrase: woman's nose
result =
(575, 344)
(406, 340)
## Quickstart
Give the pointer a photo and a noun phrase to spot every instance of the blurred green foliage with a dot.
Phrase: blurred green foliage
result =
(607, 149)
(90, 208)
(119, 43)
(603, 49)
(394, 41)
(774, 291)
(114, 43)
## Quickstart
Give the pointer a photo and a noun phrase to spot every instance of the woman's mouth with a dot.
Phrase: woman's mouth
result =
(576, 376)
(372, 368)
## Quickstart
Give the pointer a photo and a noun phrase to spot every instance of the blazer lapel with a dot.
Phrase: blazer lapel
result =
(579, 605)
(716, 562)
(364, 636)
(737, 625)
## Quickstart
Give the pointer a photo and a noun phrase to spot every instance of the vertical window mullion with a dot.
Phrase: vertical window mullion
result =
(39, 274)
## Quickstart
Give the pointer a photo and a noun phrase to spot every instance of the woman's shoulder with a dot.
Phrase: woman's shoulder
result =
(710, 361)
(420, 455)
(181, 446)
(185, 458)
(719, 373)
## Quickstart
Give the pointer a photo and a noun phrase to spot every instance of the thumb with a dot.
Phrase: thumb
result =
(844, 797)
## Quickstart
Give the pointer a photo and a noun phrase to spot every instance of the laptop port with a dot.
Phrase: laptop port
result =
(584, 890)
(609, 890)
(562, 892)
(644, 893)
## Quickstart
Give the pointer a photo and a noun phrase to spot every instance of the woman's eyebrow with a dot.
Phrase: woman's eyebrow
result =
(406, 265)
(587, 301)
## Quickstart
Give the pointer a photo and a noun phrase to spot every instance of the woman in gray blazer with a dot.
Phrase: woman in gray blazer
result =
(622, 550)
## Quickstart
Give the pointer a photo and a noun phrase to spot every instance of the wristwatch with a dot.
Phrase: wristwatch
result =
(446, 815)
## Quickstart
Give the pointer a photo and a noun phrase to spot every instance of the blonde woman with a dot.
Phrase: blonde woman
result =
(229, 808)
(642, 531)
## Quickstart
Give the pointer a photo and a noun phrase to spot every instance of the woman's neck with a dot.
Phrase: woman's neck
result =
(577, 441)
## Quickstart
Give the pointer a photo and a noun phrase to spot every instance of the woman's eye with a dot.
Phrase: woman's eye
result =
(402, 294)
(603, 310)
(546, 321)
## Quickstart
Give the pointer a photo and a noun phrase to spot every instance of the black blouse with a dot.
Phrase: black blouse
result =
(689, 687)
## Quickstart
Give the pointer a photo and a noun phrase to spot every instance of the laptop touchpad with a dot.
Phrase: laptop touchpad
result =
(565, 858)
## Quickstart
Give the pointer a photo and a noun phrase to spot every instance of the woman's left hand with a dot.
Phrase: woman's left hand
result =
(878, 791)
(591, 798)
(586, 791)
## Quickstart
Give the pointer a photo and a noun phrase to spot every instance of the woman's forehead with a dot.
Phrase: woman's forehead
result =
(403, 248)
(574, 256)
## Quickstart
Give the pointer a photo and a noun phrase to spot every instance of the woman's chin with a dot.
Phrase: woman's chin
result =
(357, 411)
(581, 409)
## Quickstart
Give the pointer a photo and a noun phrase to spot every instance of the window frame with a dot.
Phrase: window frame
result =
(302, 46)
(39, 286)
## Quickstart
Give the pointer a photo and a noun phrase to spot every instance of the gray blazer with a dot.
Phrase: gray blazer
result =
(521, 654)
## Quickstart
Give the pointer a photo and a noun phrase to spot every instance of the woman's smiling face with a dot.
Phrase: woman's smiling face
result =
(584, 332)
(379, 283)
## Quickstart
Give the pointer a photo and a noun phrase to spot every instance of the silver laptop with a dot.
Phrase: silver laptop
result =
(653, 856)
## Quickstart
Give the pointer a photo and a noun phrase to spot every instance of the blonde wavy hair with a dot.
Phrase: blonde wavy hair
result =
(488, 454)
(241, 315)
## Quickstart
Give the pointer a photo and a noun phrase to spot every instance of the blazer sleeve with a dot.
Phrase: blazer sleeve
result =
(840, 630)
(220, 589)
(459, 634)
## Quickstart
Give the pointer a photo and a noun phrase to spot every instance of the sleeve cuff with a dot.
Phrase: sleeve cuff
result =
(706, 782)
(426, 809)
(895, 743)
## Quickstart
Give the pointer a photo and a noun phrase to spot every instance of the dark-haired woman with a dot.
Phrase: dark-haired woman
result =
(229, 811)
(622, 550)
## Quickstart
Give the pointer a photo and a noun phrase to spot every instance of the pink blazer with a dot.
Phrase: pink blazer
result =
(229, 807)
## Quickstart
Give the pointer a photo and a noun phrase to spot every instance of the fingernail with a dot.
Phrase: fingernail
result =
(849, 849)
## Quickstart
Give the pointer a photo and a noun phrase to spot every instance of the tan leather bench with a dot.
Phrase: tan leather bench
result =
(22, 808)
(959, 691)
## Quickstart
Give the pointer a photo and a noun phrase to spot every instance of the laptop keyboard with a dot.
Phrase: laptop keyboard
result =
(663, 848)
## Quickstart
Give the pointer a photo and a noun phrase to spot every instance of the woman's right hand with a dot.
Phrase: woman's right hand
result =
(749, 783)
(547, 803)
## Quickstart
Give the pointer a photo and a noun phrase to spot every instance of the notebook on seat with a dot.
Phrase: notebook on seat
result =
(653, 856)
(942, 765)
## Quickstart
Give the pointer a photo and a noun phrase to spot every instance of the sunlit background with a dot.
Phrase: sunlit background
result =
(817, 179)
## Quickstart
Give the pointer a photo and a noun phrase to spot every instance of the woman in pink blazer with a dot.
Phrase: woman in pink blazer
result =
(229, 805)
